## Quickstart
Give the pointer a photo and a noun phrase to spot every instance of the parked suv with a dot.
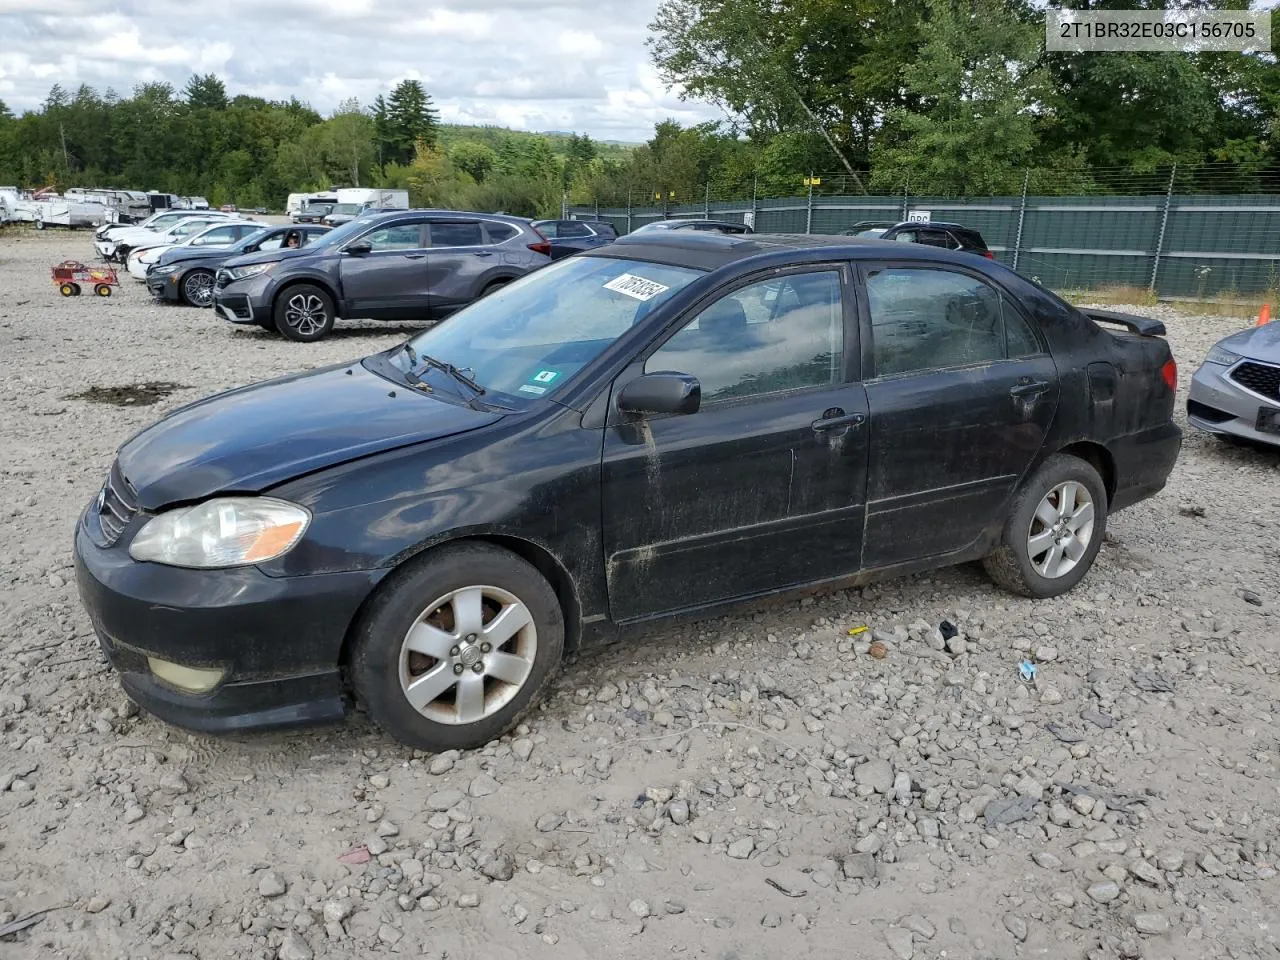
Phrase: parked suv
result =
(949, 236)
(405, 265)
(573, 236)
(702, 226)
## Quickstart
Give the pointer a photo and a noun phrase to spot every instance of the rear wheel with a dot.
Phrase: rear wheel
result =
(456, 647)
(491, 288)
(197, 288)
(68, 289)
(1054, 531)
(304, 313)
(103, 290)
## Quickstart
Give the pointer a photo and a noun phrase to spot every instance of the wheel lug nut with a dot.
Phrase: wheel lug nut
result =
(486, 647)
(457, 668)
(455, 651)
(479, 667)
(471, 638)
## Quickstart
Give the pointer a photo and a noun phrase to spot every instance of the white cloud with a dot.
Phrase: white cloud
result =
(556, 64)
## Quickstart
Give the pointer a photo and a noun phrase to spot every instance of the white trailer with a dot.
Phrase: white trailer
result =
(374, 198)
(59, 212)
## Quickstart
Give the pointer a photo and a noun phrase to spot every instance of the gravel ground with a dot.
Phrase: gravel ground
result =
(760, 785)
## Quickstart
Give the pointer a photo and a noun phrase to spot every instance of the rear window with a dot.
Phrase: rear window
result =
(499, 232)
(605, 230)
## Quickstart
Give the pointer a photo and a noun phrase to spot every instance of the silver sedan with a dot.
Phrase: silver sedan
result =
(1236, 391)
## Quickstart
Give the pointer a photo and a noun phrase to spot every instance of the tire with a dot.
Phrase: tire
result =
(67, 289)
(103, 290)
(383, 669)
(493, 287)
(75, 289)
(311, 310)
(1013, 565)
(196, 288)
(39, 224)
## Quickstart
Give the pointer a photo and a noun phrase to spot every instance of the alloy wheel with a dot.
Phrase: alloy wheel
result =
(305, 312)
(198, 289)
(468, 654)
(1061, 530)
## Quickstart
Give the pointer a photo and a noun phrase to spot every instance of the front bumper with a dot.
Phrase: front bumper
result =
(163, 286)
(277, 639)
(137, 269)
(1217, 404)
(244, 301)
(105, 248)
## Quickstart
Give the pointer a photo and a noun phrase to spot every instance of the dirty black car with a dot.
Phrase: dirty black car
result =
(666, 426)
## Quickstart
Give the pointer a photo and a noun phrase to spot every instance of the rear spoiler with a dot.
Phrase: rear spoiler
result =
(1142, 326)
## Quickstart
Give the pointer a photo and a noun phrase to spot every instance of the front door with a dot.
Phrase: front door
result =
(961, 392)
(763, 487)
(390, 281)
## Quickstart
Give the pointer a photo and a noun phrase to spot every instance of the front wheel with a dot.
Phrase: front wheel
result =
(304, 313)
(103, 290)
(39, 224)
(1054, 531)
(456, 647)
(197, 288)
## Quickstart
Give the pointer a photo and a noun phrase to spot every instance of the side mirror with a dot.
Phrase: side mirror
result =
(675, 393)
(360, 248)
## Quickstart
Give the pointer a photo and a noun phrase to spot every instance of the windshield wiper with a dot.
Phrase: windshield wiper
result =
(448, 368)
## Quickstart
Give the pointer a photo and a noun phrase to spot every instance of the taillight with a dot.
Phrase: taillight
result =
(544, 247)
(1169, 373)
(988, 254)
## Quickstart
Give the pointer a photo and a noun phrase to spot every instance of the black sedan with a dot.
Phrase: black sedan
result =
(665, 426)
(186, 274)
(568, 237)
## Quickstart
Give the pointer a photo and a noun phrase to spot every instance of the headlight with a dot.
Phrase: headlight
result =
(225, 532)
(1217, 354)
(243, 273)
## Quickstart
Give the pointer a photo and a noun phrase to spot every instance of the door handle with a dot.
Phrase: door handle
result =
(484, 253)
(414, 256)
(839, 420)
(1029, 388)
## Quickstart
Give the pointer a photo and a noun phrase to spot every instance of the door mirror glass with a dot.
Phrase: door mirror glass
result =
(360, 248)
(675, 393)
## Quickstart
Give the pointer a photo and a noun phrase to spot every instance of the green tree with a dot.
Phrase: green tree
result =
(206, 92)
(346, 143)
(406, 118)
(474, 158)
(980, 96)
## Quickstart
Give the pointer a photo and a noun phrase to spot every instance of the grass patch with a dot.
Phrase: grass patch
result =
(1118, 295)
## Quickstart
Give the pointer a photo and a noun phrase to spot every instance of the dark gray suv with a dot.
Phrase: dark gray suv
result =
(405, 265)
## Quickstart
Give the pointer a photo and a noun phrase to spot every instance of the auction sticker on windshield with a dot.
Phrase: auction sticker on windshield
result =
(637, 287)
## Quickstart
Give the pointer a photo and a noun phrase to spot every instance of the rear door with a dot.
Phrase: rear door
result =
(961, 391)
(390, 281)
(763, 487)
(459, 256)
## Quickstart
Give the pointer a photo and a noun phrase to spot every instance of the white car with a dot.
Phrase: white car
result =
(220, 233)
(138, 238)
(112, 235)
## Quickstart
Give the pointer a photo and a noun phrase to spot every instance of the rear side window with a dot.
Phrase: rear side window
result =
(570, 228)
(499, 232)
(456, 235)
(930, 319)
(605, 230)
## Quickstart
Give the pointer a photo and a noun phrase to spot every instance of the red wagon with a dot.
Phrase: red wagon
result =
(70, 274)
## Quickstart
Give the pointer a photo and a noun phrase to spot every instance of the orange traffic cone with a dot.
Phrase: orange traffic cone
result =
(1264, 315)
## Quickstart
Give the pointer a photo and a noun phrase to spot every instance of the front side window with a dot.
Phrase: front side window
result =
(929, 319)
(784, 333)
(456, 235)
(402, 236)
(570, 228)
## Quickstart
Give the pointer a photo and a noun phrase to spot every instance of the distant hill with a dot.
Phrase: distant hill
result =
(451, 133)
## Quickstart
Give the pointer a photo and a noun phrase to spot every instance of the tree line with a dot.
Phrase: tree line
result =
(951, 97)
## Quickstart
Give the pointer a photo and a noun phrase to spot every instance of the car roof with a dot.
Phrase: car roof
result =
(447, 215)
(691, 221)
(940, 224)
(710, 251)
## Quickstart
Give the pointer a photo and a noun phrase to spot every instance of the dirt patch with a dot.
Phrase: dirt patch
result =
(135, 394)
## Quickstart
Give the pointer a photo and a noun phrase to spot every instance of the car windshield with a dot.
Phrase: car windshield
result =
(345, 208)
(530, 338)
(341, 234)
(256, 237)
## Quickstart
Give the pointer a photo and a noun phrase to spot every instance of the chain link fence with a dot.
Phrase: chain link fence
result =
(1175, 235)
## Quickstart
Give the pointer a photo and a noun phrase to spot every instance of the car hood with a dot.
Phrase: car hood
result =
(183, 254)
(256, 437)
(1256, 343)
(269, 256)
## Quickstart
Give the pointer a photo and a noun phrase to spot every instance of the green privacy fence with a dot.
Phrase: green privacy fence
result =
(1194, 245)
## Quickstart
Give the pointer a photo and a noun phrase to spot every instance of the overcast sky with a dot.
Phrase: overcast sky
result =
(557, 65)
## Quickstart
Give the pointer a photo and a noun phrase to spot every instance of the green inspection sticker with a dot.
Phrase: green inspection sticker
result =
(545, 377)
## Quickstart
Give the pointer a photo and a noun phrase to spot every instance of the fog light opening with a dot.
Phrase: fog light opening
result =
(187, 679)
